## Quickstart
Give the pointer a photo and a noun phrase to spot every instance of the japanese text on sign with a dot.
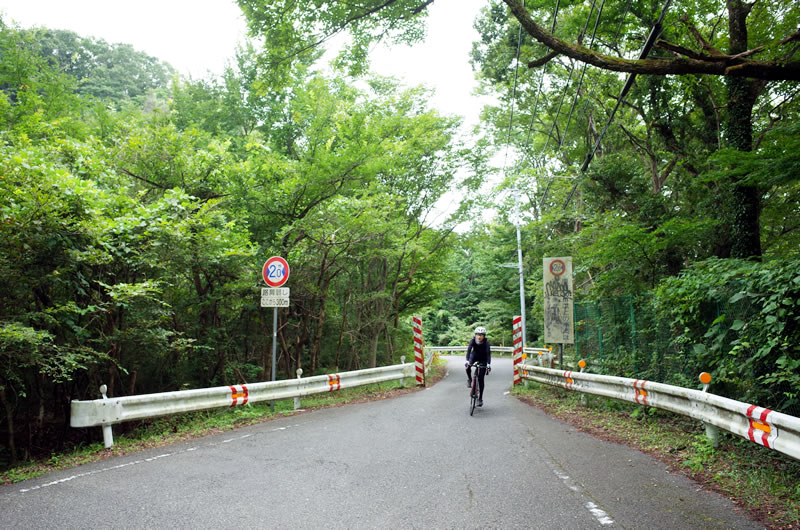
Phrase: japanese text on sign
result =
(558, 300)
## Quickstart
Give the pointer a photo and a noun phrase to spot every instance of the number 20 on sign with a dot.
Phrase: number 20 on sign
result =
(275, 271)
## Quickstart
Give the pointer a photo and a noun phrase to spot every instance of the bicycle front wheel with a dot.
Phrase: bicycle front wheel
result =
(473, 395)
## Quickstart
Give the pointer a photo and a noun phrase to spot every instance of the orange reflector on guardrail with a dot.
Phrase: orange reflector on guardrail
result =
(334, 382)
(568, 381)
(640, 396)
(236, 395)
(759, 421)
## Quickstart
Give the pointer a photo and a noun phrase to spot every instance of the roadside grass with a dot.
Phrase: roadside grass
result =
(763, 483)
(137, 436)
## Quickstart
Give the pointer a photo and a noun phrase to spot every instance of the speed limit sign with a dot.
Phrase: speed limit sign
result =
(275, 271)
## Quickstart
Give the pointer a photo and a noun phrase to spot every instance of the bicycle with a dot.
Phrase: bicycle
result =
(473, 393)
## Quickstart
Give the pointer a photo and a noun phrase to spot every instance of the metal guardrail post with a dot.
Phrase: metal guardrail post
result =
(108, 434)
(299, 373)
(584, 398)
(522, 373)
(712, 431)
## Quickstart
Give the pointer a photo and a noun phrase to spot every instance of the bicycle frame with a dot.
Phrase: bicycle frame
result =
(473, 393)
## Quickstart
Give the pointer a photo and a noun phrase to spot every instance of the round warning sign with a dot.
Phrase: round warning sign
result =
(275, 271)
(557, 267)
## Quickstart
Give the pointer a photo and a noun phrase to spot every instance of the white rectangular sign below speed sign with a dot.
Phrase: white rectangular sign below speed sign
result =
(274, 301)
(275, 297)
(283, 292)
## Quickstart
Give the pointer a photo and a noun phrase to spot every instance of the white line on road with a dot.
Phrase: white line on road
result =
(599, 514)
(95, 472)
(143, 461)
(602, 517)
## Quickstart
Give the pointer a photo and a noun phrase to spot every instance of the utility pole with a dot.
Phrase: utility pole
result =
(518, 266)
(517, 221)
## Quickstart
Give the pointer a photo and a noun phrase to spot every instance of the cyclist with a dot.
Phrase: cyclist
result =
(479, 351)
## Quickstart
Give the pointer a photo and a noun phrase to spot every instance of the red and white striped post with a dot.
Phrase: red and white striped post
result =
(419, 356)
(517, 338)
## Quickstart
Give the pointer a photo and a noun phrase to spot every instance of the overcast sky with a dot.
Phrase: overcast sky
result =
(197, 37)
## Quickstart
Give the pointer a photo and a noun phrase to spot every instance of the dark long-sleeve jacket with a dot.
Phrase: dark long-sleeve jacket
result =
(481, 353)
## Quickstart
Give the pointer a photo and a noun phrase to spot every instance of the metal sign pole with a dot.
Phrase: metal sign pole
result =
(275, 273)
(274, 347)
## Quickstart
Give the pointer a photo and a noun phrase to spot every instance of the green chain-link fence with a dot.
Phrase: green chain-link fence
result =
(625, 337)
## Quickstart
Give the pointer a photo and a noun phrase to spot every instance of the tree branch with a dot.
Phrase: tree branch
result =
(542, 61)
(699, 38)
(735, 67)
(154, 184)
(685, 52)
(355, 18)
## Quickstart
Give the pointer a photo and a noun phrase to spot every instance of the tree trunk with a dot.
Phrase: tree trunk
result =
(378, 314)
(742, 94)
(284, 350)
(373, 350)
(12, 447)
(389, 342)
(317, 343)
(341, 331)
(132, 384)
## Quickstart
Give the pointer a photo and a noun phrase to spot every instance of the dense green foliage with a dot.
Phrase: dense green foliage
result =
(134, 220)
(136, 208)
(751, 347)
(662, 207)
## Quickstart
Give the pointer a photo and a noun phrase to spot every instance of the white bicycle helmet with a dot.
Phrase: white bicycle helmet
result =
(480, 330)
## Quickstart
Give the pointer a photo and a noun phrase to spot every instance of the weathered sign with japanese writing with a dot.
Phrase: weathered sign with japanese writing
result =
(558, 300)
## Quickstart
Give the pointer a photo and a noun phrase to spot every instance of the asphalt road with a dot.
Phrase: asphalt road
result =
(415, 461)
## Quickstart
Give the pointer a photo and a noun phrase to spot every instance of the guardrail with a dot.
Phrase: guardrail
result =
(769, 428)
(108, 411)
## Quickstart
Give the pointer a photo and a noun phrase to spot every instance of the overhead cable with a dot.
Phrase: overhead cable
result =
(569, 78)
(541, 78)
(513, 93)
(580, 81)
(621, 21)
(655, 31)
(563, 94)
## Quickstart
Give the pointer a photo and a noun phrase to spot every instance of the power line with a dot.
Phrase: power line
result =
(655, 31)
(583, 72)
(541, 78)
(513, 93)
(516, 195)
(621, 21)
(563, 94)
(569, 78)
